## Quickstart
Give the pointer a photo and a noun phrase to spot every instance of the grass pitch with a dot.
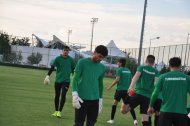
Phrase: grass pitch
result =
(26, 101)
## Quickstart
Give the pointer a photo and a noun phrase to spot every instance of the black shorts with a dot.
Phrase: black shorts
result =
(157, 105)
(172, 119)
(122, 94)
(88, 112)
(141, 100)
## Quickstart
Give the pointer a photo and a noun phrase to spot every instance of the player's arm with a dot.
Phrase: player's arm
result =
(114, 82)
(155, 79)
(50, 70)
(75, 82)
(76, 100)
(101, 88)
(154, 96)
(157, 89)
(47, 78)
(72, 67)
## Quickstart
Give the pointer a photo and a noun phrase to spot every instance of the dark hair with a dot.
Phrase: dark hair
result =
(175, 62)
(150, 59)
(66, 47)
(102, 50)
(122, 61)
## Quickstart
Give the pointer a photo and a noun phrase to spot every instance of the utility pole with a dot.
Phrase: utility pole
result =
(69, 32)
(142, 33)
(94, 20)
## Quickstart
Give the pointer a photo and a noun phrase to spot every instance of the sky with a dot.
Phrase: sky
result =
(118, 20)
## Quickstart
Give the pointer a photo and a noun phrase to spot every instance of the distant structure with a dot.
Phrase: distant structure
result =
(114, 51)
(39, 42)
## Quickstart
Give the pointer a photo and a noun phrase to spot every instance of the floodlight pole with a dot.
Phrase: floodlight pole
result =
(69, 32)
(142, 33)
(94, 20)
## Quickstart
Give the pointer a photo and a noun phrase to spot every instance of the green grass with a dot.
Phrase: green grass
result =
(25, 101)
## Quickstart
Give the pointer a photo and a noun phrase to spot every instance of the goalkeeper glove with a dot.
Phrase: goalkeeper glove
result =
(100, 105)
(76, 100)
(188, 115)
(47, 80)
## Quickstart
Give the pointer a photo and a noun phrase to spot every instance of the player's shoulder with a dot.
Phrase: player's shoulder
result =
(83, 60)
(126, 69)
(69, 57)
(58, 57)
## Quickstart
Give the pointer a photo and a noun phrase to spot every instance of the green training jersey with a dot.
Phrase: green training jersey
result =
(145, 83)
(125, 78)
(89, 75)
(174, 86)
(64, 67)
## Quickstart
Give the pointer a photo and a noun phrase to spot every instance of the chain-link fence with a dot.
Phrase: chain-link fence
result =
(162, 55)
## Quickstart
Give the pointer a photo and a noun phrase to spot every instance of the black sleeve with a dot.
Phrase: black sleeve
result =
(51, 70)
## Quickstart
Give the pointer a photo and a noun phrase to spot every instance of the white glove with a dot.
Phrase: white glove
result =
(100, 105)
(188, 115)
(135, 122)
(76, 100)
(47, 80)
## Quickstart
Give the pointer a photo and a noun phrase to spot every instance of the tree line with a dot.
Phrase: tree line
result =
(9, 56)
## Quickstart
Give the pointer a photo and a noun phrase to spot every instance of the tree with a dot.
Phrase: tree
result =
(5, 48)
(131, 63)
(13, 57)
(34, 58)
(21, 42)
(4, 43)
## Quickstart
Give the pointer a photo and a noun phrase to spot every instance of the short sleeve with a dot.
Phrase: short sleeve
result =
(140, 69)
(54, 62)
(118, 73)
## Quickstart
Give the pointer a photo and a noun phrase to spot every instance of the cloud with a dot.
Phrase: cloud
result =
(119, 22)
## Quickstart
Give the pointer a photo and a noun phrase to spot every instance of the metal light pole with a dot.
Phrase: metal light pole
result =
(142, 32)
(69, 32)
(150, 43)
(94, 20)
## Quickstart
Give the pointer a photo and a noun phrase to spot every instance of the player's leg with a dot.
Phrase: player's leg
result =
(157, 107)
(117, 98)
(144, 104)
(114, 107)
(126, 100)
(57, 88)
(134, 102)
(92, 112)
(132, 111)
(80, 114)
(165, 119)
(179, 119)
(65, 88)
